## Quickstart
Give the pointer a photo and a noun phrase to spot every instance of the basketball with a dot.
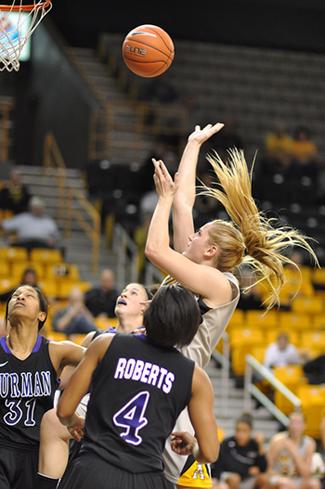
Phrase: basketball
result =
(148, 51)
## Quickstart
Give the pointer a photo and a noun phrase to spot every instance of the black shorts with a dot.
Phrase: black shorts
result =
(91, 471)
(18, 468)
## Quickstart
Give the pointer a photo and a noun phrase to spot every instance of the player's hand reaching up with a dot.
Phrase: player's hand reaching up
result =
(201, 135)
(164, 183)
(183, 443)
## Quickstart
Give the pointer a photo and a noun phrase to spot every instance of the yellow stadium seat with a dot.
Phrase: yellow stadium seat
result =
(13, 254)
(4, 269)
(292, 377)
(237, 319)
(258, 352)
(103, 323)
(246, 336)
(49, 288)
(64, 288)
(313, 340)
(17, 270)
(319, 276)
(6, 285)
(319, 321)
(272, 335)
(313, 406)
(56, 336)
(257, 319)
(62, 271)
(290, 320)
(77, 338)
(46, 256)
(307, 305)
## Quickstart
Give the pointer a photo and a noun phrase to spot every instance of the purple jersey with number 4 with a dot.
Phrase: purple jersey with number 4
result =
(138, 391)
(26, 392)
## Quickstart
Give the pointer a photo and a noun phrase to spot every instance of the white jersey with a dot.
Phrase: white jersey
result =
(214, 323)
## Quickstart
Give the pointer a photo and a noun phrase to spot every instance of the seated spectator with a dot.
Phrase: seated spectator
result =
(241, 461)
(33, 229)
(29, 277)
(14, 196)
(101, 300)
(278, 147)
(290, 457)
(315, 370)
(281, 353)
(303, 149)
(75, 318)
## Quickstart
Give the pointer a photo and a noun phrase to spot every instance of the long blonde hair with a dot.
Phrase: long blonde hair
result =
(250, 237)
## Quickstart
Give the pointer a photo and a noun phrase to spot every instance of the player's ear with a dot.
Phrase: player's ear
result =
(145, 305)
(42, 316)
(212, 251)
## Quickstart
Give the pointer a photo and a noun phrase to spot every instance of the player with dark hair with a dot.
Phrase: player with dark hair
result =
(140, 384)
(54, 442)
(29, 368)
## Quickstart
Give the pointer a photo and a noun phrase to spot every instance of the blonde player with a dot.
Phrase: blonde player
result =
(204, 261)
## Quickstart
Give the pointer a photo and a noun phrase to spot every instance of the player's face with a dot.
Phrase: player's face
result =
(24, 304)
(198, 244)
(131, 301)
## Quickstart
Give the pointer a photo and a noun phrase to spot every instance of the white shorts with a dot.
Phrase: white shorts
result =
(81, 408)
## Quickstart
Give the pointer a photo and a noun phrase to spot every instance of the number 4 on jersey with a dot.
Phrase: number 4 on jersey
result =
(131, 417)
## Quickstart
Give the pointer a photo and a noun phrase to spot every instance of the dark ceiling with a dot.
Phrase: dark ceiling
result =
(292, 24)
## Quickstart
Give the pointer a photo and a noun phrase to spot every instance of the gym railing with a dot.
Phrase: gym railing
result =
(255, 369)
(125, 252)
(73, 203)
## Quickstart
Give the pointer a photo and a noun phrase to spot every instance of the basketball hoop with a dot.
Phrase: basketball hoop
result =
(18, 21)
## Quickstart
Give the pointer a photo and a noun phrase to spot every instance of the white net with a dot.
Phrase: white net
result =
(17, 23)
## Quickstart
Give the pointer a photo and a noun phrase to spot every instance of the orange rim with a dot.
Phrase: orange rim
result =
(24, 8)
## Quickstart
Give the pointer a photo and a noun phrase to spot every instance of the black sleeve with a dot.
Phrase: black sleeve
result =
(261, 463)
(217, 467)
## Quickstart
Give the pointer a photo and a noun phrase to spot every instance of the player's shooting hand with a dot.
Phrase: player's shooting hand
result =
(183, 443)
(76, 428)
(164, 183)
(201, 135)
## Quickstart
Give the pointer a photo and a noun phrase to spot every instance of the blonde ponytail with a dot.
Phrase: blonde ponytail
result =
(260, 243)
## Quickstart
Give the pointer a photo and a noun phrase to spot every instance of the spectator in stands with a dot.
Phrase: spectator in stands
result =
(315, 370)
(14, 196)
(303, 149)
(241, 461)
(75, 318)
(29, 277)
(101, 300)
(33, 229)
(278, 147)
(290, 457)
(281, 353)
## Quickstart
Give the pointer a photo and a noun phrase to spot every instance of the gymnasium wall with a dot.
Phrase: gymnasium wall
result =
(62, 100)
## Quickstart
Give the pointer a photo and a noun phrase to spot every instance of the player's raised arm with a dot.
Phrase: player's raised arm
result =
(185, 193)
(80, 380)
(200, 278)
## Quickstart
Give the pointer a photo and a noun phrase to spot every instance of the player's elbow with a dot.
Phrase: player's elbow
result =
(151, 252)
(63, 413)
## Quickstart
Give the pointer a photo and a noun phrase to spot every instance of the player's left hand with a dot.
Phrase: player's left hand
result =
(76, 428)
(165, 185)
(183, 443)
